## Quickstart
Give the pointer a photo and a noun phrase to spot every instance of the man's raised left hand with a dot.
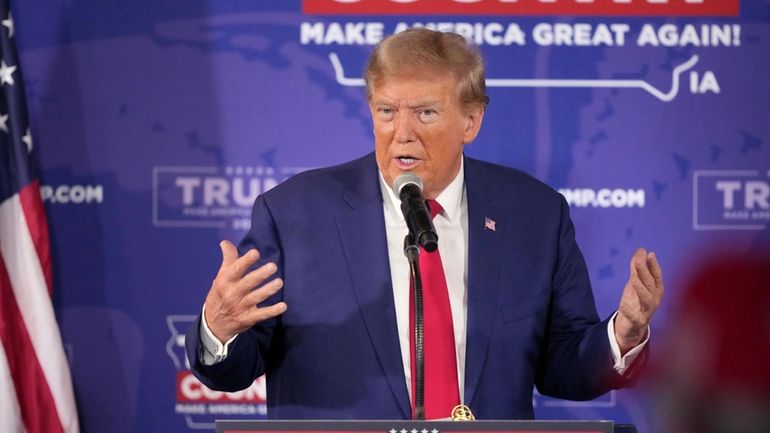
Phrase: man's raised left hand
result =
(641, 297)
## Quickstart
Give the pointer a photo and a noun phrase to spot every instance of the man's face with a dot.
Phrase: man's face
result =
(421, 127)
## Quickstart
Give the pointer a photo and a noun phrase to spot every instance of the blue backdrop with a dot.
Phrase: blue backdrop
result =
(157, 123)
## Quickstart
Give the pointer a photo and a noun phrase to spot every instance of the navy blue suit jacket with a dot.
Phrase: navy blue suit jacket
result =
(335, 353)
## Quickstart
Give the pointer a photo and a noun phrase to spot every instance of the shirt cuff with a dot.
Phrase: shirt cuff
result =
(623, 362)
(212, 350)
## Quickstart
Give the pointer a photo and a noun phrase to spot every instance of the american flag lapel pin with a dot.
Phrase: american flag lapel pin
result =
(489, 224)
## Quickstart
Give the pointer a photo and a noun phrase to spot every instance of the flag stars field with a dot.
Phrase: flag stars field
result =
(27, 139)
(8, 23)
(6, 73)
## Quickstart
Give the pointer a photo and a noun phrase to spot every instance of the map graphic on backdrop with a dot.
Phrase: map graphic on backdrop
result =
(155, 130)
(568, 83)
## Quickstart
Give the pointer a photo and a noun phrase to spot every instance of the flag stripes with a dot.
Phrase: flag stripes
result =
(34, 398)
(30, 331)
(34, 213)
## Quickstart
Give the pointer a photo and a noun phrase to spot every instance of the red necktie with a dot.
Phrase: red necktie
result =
(441, 390)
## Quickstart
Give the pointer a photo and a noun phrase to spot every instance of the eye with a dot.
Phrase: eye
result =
(385, 113)
(427, 114)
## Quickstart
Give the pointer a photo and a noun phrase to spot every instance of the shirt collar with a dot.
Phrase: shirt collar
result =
(450, 198)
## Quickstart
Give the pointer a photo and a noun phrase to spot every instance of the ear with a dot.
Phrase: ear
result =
(473, 117)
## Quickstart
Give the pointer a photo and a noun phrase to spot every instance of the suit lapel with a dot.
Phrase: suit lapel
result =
(362, 233)
(486, 227)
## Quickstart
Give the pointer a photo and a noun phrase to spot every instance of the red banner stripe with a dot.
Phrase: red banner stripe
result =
(38, 410)
(34, 212)
(723, 8)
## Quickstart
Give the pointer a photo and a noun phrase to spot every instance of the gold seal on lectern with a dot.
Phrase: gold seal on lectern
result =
(462, 412)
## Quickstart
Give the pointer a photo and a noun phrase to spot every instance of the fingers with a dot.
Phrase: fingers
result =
(261, 294)
(644, 295)
(233, 266)
(255, 278)
(251, 313)
(654, 267)
(639, 254)
(229, 252)
(642, 271)
(260, 314)
(255, 314)
(647, 269)
(646, 280)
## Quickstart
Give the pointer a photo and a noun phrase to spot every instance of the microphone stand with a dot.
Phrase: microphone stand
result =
(412, 253)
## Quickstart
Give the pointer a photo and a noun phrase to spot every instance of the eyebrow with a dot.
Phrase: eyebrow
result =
(424, 103)
(415, 104)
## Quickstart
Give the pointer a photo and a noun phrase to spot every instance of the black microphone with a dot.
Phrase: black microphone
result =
(408, 188)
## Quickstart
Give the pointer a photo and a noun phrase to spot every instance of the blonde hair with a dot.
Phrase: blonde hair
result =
(422, 51)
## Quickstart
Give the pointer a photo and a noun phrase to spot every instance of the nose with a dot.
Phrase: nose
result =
(404, 127)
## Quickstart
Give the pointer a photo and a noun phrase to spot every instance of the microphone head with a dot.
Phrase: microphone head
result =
(406, 179)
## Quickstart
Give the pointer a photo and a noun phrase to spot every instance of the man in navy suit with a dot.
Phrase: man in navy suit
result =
(319, 299)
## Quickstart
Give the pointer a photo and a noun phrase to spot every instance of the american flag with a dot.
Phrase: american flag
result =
(35, 384)
(489, 224)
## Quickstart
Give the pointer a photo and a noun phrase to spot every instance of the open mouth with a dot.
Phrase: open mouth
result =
(406, 160)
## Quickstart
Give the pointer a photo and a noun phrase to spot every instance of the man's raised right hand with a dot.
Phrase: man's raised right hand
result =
(231, 305)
